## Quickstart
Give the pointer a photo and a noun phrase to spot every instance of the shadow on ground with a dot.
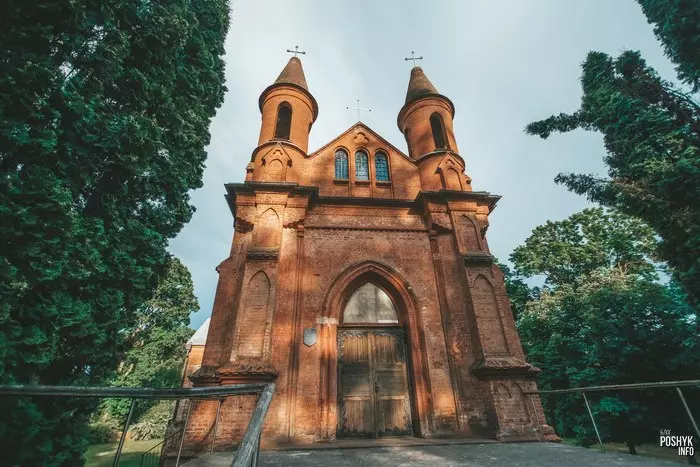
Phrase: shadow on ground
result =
(471, 455)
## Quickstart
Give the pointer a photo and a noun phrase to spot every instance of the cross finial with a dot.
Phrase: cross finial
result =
(296, 51)
(413, 57)
(358, 109)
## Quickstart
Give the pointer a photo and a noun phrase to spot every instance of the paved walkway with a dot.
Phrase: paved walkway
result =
(471, 455)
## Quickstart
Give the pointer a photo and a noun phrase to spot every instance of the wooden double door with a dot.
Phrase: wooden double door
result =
(373, 387)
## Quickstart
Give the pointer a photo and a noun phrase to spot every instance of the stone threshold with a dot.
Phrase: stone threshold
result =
(358, 443)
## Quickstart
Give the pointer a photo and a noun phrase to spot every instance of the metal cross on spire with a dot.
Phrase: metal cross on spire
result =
(296, 51)
(413, 57)
(358, 109)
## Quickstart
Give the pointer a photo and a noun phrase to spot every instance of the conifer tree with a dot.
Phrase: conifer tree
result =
(651, 130)
(104, 114)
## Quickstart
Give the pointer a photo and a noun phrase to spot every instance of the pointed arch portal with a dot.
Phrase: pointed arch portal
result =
(372, 367)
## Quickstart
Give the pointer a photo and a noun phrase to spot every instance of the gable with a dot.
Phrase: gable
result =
(367, 135)
(360, 178)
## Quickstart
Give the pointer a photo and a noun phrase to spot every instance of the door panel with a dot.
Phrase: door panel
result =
(391, 384)
(373, 395)
(356, 388)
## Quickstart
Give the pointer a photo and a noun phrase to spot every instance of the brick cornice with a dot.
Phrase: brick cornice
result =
(478, 257)
(503, 366)
(448, 195)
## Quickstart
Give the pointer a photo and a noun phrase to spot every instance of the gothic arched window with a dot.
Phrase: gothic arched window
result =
(361, 166)
(381, 167)
(438, 127)
(369, 304)
(341, 165)
(284, 121)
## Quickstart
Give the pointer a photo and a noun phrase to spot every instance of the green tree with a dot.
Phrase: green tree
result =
(677, 26)
(157, 345)
(104, 115)
(606, 319)
(565, 250)
(157, 342)
(651, 131)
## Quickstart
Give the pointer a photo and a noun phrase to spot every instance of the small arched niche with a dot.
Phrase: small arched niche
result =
(267, 231)
(369, 304)
(275, 173)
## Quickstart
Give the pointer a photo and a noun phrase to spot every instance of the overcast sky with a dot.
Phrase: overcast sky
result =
(503, 64)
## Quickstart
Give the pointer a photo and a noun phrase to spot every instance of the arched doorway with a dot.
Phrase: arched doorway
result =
(373, 383)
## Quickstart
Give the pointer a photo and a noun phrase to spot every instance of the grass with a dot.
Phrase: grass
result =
(102, 455)
(645, 450)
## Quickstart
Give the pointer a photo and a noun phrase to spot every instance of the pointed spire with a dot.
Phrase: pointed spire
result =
(419, 85)
(293, 73)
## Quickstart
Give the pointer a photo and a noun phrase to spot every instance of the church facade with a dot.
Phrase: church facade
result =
(360, 281)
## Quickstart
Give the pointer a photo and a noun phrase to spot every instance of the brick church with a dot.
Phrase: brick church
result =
(360, 281)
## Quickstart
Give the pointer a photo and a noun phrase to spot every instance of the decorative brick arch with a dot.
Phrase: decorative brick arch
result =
(274, 164)
(451, 173)
(268, 230)
(488, 312)
(408, 314)
(470, 233)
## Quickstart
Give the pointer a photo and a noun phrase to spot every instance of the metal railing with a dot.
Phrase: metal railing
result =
(151, 458)
(247, 453)
(677, 385)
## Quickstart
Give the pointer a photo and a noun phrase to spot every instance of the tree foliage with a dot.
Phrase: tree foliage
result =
(604, 318)
(565, 250)
(156, 352)
(104, 114)
(157, 341)
(676, 25)
(651, 131)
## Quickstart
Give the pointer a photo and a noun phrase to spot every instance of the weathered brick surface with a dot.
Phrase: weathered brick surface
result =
(304, 241)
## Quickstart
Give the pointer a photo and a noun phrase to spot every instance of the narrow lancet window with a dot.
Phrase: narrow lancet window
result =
(284, 121)
(438, 127)
(341, 165)
(361, 166)
(381, 167)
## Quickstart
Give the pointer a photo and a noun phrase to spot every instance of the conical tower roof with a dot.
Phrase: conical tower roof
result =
(419, 85)
(292, 75)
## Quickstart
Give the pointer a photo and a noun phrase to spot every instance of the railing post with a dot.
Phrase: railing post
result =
(216, 425)
(246, 454)
(690, 415)
(118, 454)
(537, 417)
(184, 431)
(254, 459)
(593, 420)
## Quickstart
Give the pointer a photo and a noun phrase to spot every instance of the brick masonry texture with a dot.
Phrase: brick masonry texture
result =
(304, 241)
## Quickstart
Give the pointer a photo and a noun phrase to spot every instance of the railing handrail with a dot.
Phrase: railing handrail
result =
(132, 393)
(610, 387)
(247, 453)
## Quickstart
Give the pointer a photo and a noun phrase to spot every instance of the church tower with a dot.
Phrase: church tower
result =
(426, 122)
(360, 281)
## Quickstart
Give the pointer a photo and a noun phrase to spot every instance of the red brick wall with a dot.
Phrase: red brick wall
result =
(293, 253)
